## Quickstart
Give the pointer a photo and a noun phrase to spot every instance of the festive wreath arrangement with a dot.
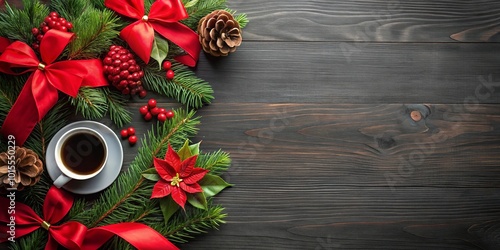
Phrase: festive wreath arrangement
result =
(90, 57)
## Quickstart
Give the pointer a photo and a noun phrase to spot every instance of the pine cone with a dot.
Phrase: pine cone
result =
(28, 169)
(219, 33)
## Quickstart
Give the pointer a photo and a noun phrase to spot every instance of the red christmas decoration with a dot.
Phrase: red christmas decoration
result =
(122, 70)
(52, 21)
(72, 234)
(41, 91)
(163, 18)
(177, 177)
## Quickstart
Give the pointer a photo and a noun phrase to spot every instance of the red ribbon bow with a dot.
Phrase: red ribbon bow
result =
(163, 18)
(40, 93)
(72, 234)
(56, 205)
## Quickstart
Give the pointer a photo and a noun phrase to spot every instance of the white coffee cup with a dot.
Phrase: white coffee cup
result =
(81, 153)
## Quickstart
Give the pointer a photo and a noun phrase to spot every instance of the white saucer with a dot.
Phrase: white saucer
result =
(106, 176)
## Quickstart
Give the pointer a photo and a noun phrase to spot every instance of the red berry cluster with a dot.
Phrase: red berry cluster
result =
(150, 110)
(130, 134)
(52, 21)
(123, 71)
(167, 65)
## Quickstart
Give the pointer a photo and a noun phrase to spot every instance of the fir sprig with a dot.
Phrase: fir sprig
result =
(16, 24)
(217, 162)
(116, 107)
(90, 103)
(183, 227)
(95, 30)
(200, 8)
(186, 87)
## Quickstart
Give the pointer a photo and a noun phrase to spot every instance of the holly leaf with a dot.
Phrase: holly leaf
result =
(213, 184)
(168, 208)
(160, 50)
(198, 200)
(151, 174)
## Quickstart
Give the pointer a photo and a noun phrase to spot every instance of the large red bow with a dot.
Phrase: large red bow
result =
(163, 18)
(40, 93)
(18, 220)
(72, 234)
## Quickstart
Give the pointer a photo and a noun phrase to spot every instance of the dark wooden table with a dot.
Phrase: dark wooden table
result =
(315, 108)
(361, 124)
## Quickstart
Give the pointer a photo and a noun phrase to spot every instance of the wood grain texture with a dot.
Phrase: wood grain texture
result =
(371, 20)
(315, 106)
(330, 176)
(331, 72)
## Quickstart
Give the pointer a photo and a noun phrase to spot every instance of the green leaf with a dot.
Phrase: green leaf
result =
(160, 50)
(151, 175)
(168, 207)
(198, 200)
(213, 184)
(195, 148)
(190, 4)
(184, 152)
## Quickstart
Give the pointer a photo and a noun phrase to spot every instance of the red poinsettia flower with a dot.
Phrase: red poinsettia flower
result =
(177, 177)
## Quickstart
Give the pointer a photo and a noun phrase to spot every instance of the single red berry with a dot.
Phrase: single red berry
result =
(143, 110)
(124, 133)
(163, 111)
(39, 37)
(69, 25)
(35, 31)
(143, 93)
(170, 74)
(52, 24)
(167, 65)
(148, 117)
(155, 111)
(151, 103)
(132, 140)
(131, 131)
(47, 19)
(54, 14)
(162, 117)
(170, 114)
(35, 46)
(45, 29)
(62, 28)
(108, 60)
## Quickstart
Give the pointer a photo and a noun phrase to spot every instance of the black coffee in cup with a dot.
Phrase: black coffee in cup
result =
(83, 153)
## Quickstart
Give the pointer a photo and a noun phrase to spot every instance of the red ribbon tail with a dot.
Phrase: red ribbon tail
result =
(26, 112)
(138, 235)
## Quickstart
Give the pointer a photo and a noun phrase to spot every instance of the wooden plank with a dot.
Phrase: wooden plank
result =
(314, 176)
(371, 20)
(332, 72)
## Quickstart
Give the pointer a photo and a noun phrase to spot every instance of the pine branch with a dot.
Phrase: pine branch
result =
(242, 19)
(119, 200)
(217, 162)
(90, 103)
(95, 31)
(70, 10)
(16, 24)
(199, 9)
(186, 87)
(117, 111)
(183, 227)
